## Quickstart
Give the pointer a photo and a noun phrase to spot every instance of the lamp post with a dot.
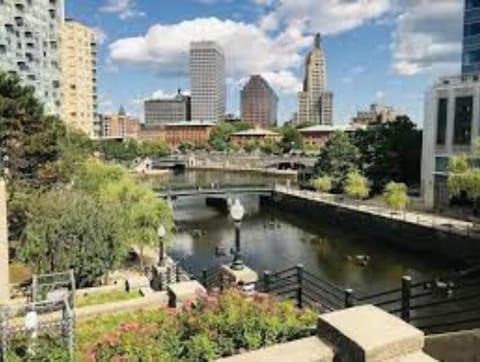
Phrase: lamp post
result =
(161, 233)
(237, 212)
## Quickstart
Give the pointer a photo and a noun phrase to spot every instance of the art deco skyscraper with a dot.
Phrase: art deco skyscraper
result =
(315, 104)
(259, 102)
(207, 77)
(78, 52)
(29, 46)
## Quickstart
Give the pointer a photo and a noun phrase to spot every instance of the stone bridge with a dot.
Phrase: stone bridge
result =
(222, 191)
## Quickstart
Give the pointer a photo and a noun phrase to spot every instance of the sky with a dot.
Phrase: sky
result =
(383, 51)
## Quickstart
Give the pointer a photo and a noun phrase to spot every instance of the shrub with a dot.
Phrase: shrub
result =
(213, 327)
(323, 183)
(356, 185)
(395, 195)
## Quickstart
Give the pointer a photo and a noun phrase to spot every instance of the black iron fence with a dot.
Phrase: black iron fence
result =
(440, 304)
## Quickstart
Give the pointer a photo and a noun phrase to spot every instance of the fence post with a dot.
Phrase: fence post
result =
(177, 273)
(169, 276)
(204, 277)
(267, 275)
(406, 293)
(349, 298)
(300, 285)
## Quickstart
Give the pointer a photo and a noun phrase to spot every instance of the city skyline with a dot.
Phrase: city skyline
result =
(377, 38)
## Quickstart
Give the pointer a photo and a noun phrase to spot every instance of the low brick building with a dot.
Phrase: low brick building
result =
(316, 136)
(195, 132)
(120, 126)
(152, 133)
(258, 135)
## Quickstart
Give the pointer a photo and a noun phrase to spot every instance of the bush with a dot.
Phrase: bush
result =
(215, 326)
(323, 183)
(356, 186)
(395, 195)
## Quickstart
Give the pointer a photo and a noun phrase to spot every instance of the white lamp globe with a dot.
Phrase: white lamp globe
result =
(161, 231)
(237, 210)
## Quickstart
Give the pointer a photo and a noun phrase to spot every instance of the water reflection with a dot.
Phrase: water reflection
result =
(277, 240)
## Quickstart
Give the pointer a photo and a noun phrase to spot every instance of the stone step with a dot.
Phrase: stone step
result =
(414, 357)
(369, 334)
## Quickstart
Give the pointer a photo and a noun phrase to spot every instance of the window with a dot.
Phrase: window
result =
(442, 120)
(463, 120)
(472, 4)
(471, 29)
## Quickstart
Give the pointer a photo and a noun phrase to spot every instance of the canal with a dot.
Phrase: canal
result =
(276, 240)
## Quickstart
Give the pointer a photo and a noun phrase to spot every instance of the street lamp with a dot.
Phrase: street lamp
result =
(161, 233)
(237, 212)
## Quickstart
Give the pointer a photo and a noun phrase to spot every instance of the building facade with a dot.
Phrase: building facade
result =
(161, 111)
(194, 132)
(207, 77)
(376, 113)
(78, 56)
(258, 102)
(29, 46)
(316, 136)
(471, 37)
(254, 135)
(451, 125)
(315, 103)
(120, 126)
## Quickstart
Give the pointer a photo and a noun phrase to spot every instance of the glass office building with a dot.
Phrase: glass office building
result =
(471, 37)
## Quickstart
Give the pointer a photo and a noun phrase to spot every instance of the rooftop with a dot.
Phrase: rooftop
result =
(191, 124)
(256, 132)
(326, 128)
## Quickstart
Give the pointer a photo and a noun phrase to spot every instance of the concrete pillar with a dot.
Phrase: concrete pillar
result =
(4, 272)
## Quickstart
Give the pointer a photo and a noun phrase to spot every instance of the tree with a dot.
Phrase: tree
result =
(27, 135)
(322, 183)
(70, 229)
(337, 158)
(291, 139)
(153, 149)
(396, 196)
(220, 135)
(356, 185)
(390, 151)
(120, 151)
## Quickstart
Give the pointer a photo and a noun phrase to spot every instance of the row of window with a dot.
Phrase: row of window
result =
(462, 129)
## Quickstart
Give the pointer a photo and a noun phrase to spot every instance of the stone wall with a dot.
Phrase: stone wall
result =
(463, 346)
(417, 238)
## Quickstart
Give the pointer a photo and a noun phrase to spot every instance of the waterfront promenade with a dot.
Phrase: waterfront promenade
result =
(441, 223)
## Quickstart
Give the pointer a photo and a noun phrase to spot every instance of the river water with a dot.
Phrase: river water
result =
(276, 240)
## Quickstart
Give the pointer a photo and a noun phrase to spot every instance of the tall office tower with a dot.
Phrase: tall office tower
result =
(29, 46)
(167, 110)
(471, 38)
(315, 104)
(78, 60)
(207, 76)
(259, 102)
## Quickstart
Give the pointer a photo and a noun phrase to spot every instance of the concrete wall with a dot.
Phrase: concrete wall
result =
(461, 346)
(409, 236)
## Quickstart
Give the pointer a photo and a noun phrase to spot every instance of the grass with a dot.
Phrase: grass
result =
(107, 297)
(19, 273)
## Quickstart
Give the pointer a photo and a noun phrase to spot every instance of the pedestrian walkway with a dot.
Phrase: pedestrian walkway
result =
(441, 223)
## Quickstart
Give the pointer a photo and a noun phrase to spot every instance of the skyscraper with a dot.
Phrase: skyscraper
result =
(259, 102)
(29, 46)
(207, 76)
(78, 54)
(315, 104)
(471, 38)
(161, 111)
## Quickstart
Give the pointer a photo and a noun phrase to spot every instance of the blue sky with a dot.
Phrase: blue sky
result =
(387, 51)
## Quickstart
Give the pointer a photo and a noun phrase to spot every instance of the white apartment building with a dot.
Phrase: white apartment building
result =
(451, 125)
(29, 46)
(207, 77)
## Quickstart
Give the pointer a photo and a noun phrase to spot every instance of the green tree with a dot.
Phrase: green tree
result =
(70, 229)
(29, 138)
(153, 149)
(390, 151)
(220, 135)
(356, 185)
(337, 158)
(291, 139)
(396, 196)
(322, 183)
(118, 150)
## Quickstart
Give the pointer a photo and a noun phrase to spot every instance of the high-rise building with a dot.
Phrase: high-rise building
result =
(207, 76)
(315, 103)
(259, 102)
(471, 38)
(78, 54)
(29, 46)
(161, 111)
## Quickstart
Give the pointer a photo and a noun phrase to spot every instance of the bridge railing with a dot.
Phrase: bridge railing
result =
(214, 186)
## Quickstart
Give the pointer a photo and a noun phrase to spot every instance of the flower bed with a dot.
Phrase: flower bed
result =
(215, 326)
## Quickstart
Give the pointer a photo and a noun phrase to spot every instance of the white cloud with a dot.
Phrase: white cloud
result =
(100, 35)
(428, 37)
(125, 9)
(248, 49)
(159, 94)
(325, 16)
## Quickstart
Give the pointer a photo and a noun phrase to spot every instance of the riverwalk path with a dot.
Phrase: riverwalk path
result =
(441, 223)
